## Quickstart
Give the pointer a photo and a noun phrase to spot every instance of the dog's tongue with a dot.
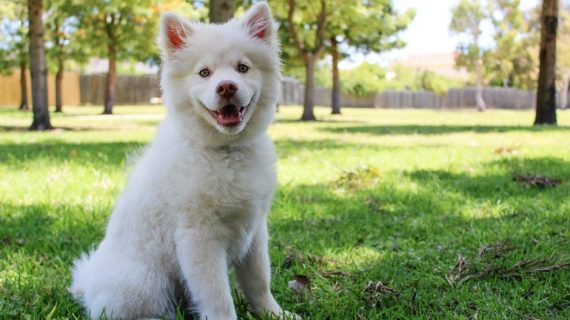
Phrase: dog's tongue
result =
(229, 115)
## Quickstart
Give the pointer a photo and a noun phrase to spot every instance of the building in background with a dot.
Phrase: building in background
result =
(440, 63)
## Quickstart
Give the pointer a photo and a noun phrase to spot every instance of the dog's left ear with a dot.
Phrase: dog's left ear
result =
(174, 33)
(258, 22)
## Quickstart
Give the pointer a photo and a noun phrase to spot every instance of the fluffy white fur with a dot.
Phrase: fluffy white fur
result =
(196, 202)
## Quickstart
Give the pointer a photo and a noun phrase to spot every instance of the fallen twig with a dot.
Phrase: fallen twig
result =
(536, 181)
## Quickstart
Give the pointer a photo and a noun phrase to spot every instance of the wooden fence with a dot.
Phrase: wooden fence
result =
(140, 89)
(129, 89)
(504, 98)
(10, 89)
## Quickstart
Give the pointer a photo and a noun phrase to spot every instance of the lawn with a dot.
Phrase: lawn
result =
(385, 213)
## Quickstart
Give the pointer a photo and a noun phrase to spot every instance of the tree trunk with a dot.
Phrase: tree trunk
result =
(38, 67)
(546, 93)
(221, 10)
(110, 86)
(564, 91)
(58, 82)
(479, 95)
(335, 77)
(309, 103)
(23, 86)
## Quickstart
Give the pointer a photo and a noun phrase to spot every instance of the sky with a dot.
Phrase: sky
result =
(427, 33)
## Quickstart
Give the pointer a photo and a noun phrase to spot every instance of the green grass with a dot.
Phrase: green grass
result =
(395, 196)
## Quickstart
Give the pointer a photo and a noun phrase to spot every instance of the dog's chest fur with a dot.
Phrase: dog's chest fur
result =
(226, 190)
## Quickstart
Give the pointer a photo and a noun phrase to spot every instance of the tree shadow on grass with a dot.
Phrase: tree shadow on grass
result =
(87, 127)
(442, 205)
(72, 129)
(115, 153)
(498, 181)
(42, 228)
(289, 147)
(98, 154)
(438, 129)
(37, 246)
(438, 194)
(410, 239)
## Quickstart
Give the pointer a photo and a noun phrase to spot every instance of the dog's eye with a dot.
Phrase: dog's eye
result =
(243, 68)
(204, 72)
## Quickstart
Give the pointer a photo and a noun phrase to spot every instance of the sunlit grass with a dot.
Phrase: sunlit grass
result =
(373, 195)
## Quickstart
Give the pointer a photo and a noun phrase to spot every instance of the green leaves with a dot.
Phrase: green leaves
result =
(467, 17)
(362, 25)
(369, 25)
(119, 29)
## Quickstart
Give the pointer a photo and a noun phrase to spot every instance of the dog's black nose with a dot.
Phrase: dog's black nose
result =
(226, 89)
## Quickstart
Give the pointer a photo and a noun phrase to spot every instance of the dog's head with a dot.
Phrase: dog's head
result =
(222, 80)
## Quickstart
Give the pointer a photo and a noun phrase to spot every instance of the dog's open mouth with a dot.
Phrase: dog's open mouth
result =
(230, 115)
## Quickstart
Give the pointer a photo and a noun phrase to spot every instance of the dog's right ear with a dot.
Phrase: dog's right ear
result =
(174, 32)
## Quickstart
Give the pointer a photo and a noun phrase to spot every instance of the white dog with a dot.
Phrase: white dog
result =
(196, 202)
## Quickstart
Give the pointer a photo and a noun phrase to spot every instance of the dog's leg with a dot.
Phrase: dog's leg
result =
(203, 262)
(254, 275)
